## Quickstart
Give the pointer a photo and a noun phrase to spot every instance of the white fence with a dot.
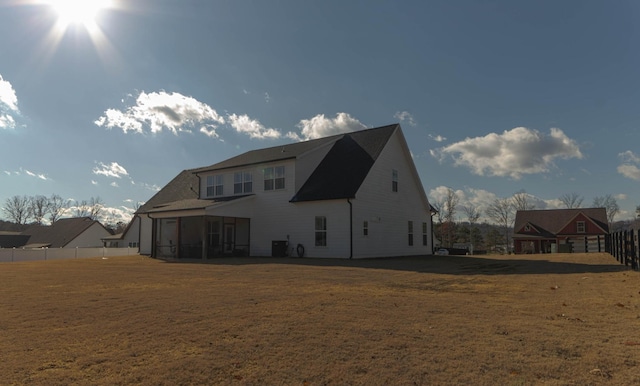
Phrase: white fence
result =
(19, 254)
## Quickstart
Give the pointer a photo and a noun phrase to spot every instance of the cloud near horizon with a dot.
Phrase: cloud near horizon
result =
(629, 167)
(8, 105)
(113, 170)
(511, 154)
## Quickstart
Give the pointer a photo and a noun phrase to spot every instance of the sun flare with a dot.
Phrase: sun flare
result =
(81, 12)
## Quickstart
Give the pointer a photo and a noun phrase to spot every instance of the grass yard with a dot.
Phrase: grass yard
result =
(562, 319)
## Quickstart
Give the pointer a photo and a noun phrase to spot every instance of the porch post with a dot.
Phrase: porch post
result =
(205, 242)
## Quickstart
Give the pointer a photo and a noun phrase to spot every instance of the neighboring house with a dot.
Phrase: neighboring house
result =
(67, 233)
(351, 195)
(12, 239)
(560, 230)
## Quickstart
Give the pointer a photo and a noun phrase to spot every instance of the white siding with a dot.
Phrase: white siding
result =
(146, 233)
(387, 212)
(91, 237)
(133, 233)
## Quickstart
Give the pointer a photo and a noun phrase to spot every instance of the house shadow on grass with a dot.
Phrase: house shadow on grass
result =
(450, 265)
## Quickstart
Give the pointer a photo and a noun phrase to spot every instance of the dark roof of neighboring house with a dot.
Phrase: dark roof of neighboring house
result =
(552, 221)
(344, 168)
(183, 187)
(60, 233)
(12, 239)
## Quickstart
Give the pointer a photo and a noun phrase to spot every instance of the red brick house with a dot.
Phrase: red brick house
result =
(560, 230)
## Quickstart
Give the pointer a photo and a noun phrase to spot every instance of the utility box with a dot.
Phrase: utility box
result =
(278, 248)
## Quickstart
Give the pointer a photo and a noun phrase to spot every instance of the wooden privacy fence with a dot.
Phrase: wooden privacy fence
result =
(623, 245)
(19, 254)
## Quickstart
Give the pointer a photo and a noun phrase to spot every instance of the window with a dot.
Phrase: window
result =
(215, 186)
(394, 180)
(321, 231)
(580, 226)
(410, 229)
(274, 178)
(365, 228)
(242, 183)
(424, 233)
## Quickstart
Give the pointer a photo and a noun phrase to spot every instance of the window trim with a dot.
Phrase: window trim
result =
(274, 178)
(410, 232)
(245, 184)
(214, 182)
(394, 180)
(320, 231)
(579, 225)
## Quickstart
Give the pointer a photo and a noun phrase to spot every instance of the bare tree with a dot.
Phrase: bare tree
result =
(81, 209)
(450, 208)
(473, 215)
(56, 207)
(38, 208)
(610, 204)
(571, 200)
(521, 201)
(96, 205)
(501, 212)
(17, 209)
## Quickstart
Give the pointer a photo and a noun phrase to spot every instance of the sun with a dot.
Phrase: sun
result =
(77, 12)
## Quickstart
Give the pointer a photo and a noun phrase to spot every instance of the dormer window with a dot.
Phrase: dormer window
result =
(527, 228)
(580, 227)
(215, 185)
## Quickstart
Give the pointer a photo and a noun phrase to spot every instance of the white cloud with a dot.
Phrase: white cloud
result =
(158, 111)
(94, 182)
(405, 116)
(320, 126)
(112, 170)
(437, 138)
(114, 184)
(252, 127)
(627, 168)
(8, 105)
(36, 175)
(209, 131)
(513, 153)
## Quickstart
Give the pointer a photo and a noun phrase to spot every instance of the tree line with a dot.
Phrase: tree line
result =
(501, 212)
(35, 209)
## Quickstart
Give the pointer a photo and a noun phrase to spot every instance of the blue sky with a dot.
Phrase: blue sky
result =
(494, 97)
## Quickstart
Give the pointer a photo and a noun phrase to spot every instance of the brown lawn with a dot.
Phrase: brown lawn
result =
(509, 320)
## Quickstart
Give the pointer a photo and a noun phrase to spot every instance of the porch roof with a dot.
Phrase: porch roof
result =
(193, 204)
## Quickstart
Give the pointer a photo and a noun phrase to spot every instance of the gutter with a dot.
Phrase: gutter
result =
(350, 228)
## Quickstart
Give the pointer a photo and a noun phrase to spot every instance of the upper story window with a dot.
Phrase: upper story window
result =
(580, 227)
(215, 185)
(242, 182)
(394, 180)
(274, 178)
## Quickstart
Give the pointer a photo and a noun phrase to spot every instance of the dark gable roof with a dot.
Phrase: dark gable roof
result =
(180, 188)
(368, 137)
(344, 168)
(554, 220)
(60, 233)
(339, 174)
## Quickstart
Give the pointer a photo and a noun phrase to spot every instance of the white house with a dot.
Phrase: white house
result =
(353, 195)
(77, 232)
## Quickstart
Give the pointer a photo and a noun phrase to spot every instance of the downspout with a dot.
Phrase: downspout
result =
(350, 228)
